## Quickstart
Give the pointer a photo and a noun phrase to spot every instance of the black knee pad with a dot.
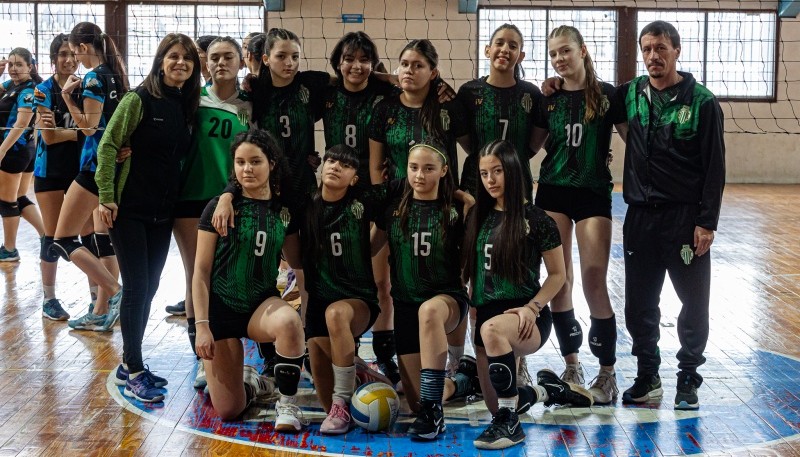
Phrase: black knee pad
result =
(9, 209)
(64, 247)
(383, 345)
(46, 252)
(86, 241)
(503, 374)
(603, 340)
(23, 202)
(102, 245)
(568, 331)
(287, 374)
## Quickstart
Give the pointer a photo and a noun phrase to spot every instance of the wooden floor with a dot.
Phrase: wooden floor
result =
(56, 398)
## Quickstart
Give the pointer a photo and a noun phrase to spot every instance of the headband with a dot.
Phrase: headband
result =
(423, 145)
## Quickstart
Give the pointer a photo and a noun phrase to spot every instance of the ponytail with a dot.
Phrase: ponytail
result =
(593, 92)
(90, 34)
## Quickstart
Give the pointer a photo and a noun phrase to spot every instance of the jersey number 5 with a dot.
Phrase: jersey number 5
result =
(487, 254)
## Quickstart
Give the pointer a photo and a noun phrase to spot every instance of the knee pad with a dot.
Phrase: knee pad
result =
(568, 331)
(86, 241)
(503, 374)
(9, 209)
(46, 252)
(64, 247)
(603, 340)
(287, 376)
(23, 202)
(383, 344)
(102, 245)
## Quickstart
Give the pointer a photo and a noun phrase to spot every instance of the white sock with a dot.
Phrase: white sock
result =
(288, 400)
(344, 382)
(455, 352)
(49, 292)
(93, 293)
(541, 393)
(510, 402)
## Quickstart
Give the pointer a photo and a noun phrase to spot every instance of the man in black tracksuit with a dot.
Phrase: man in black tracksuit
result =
(673, 182)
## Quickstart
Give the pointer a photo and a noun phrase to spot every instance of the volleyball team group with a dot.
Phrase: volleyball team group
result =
(392, 238)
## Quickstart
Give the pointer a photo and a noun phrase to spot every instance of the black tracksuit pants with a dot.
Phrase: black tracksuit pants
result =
(653, 239)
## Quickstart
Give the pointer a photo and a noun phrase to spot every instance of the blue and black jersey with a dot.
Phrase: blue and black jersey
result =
(16, 96)
(99, 84)
(60, 160)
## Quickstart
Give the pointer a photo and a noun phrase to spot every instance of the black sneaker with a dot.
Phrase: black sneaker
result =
(505, 431)
(178, 309)
(465, 377)
(562, 393)
(527, 398)
(390, 370)
(645, 388)
(269, 367)
(429, 423)
(686, 397)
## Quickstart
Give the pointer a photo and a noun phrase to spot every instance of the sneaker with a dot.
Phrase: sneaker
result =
(686, 397)
(269, 367)
(113, 311)
(282, 279)
(560, 392)
(365, 374)
(8, 256)
(143, 389)
(88, 321)
(53, 310)
(290, 293)
(573, 374)
(391, 371)
(644, 389)
(289, 418)
(259, 387)
(429, 423)
(178, 309)
(465, 377)
(200, 381)
(604, 387)
(505, 431)
(338, 419)
(523, 375)
(121, 377)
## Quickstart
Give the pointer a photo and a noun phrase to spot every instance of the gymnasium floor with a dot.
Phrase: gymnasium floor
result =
(56, 398)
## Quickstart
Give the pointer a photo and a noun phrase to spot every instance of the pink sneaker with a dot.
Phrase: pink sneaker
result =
(365, 374)
(338, 420)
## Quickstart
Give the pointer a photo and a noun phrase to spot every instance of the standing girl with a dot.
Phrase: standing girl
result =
(102, 88)
(17, 150)
(575, 190)
(234, 286)
(57, 163)
(505, 244)
(424, 230)
(137, 201)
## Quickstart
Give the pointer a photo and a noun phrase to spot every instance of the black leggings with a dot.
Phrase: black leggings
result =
(141, 248)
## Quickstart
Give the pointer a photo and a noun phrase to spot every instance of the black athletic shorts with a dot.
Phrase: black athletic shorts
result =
(226, 323)
(51, 184)
(86, 180)
(190, 209)
(544, 322)
(577, 203)
(406, 323)
(19, 160)
(315, 318)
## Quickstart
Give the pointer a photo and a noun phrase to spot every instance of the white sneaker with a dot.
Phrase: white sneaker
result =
(573, 374)
(289, 418)
(260, 386)
(200, 379)
(604, 388)
(523, 375)
(282, 279)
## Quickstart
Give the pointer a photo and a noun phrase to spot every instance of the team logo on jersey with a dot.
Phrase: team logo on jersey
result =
(445, 115)
(478, 101)
(304, 95)
(243, 116)
(93, 82)
(28, 98)
(684, 114)
(605, 105)
(453, 215)
(527, 103)
(527, 227)
(39, 95)
(686, 254)
(357, 208)
(286, 216)
(390, 121)
(551, 107)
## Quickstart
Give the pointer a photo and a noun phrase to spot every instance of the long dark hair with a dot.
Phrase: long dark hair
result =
(190, 92)
(26, 55)
(593, 93)
(447, 187)
(262, 87)
(88, 33)
(519, 72)
(430, 112)
(509, 251)
(313, 242)
(55, 46)
(279, 175)
(349, 44)
(256, 47)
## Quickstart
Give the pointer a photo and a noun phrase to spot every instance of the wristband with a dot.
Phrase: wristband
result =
(202, 321)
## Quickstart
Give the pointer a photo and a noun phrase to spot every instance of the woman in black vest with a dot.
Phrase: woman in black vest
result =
(137, 200)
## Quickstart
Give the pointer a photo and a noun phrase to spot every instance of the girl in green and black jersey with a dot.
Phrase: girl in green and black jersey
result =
(424, 229)
(505, 244)
(500, 106)
(234, 286)
(575, 190)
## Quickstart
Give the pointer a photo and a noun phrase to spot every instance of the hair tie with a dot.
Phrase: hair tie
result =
(423, 145)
